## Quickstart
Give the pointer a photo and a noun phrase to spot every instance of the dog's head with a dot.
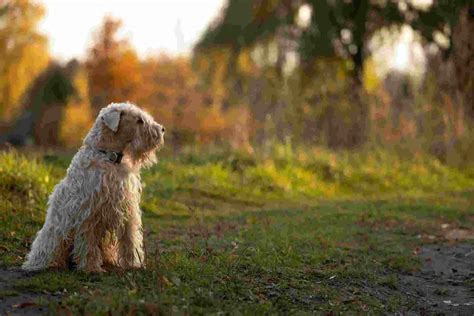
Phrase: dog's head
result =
(123, 127)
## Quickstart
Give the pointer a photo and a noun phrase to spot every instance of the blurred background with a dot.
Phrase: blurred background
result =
(245, 74)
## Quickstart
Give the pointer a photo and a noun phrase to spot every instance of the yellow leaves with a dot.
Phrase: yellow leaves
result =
(202, 64)
(80, 84)
(78, 116)
(371, 79)
(220, 65)
(76, 122)
(245, 62)
(23, 54)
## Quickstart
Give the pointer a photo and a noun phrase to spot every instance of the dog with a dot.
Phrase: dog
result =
(93, 215)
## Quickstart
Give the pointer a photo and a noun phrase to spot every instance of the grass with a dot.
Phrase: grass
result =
(304, 231)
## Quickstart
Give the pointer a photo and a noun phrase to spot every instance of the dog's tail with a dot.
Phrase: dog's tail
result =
(42, 249)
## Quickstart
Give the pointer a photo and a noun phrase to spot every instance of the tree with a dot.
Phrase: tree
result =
(49, 97)
(23, 52)
(337, 30)
(113, 67)
(463, 43)
(171, 94)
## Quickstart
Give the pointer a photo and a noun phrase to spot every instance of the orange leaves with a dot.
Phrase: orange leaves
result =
(171, 93)
(170, 90)
(113, 67)
(211, 124)
(168, 87)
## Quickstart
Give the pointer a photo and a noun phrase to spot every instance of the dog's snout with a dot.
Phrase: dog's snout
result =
(160, 129)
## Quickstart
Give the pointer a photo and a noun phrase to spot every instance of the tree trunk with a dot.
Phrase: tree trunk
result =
(463, 53)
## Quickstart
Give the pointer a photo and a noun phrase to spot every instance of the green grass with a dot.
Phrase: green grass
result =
(24, 188)
(307, 230)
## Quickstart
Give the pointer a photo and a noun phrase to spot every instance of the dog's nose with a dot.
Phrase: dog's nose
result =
(160, 129)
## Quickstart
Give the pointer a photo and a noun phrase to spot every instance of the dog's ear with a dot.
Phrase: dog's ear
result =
(112, 119)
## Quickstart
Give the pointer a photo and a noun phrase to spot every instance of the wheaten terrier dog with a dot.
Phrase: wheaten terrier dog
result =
(93, 214)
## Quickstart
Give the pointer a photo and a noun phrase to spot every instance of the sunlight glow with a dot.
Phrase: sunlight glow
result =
(303, 18)
(398, 50)
(401, 56)
(152, 26)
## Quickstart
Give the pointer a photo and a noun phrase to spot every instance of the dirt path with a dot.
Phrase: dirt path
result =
(14, 303)
(445, 283)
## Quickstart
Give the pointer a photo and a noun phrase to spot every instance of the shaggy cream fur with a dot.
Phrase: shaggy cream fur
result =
(94, 211)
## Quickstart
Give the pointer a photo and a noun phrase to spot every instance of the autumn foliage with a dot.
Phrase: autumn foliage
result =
(23, 53)
(268, 81)
(113, 67)
(167, 87)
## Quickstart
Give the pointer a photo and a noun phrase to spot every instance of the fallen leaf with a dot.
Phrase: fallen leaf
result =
(24, 304)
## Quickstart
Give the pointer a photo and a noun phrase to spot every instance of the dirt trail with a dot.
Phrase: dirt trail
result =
(445, 283)
(13, 302)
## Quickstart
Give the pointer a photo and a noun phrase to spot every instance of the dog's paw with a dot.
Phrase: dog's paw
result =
(137, 267)
(132, 265)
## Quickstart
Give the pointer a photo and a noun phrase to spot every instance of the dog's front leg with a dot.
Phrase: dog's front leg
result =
(87, 252)
(109, 249)
(43, 248)
(130, 240)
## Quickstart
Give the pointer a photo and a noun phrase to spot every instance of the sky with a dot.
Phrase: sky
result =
(152, 26)
(169, 26)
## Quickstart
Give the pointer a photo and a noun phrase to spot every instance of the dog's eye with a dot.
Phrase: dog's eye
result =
(140, 121)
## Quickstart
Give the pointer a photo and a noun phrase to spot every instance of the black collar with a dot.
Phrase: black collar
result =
(114, 156)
